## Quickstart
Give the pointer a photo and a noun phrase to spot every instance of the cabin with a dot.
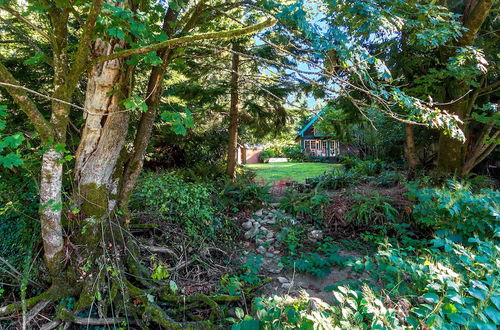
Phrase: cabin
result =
(316, 144)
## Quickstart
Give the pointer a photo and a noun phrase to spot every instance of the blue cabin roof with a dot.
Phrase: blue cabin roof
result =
(312, 121)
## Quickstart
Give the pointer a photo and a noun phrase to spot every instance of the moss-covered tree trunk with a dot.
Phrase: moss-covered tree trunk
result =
(452, 153)
(233, 113)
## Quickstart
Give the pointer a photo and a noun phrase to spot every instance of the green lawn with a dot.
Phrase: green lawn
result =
(294, 171)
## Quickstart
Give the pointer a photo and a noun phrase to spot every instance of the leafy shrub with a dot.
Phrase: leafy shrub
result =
(454, 286)
(480, 182)
(450, 287)
(316, 264)
(202, 172)
(19, 227)
(456, 209)
(294, 153)
(304, 204)
(363, 167)
(387, 178)
(368, 167)
(348, 162)
(334, 180)
(248, 275)
(371, 210)
(266, 153)
(188, 205)
(243, 193)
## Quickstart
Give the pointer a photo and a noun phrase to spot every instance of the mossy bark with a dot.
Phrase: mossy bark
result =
(452, 153)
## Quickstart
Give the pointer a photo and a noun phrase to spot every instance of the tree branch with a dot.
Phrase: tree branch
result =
(181, 40)
(22, 18)
(26, 104)
(81, 56)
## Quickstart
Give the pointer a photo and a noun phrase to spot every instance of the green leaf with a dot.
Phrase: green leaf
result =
(431, 297)
(11, 160)
(493, 313)
(116, 32)
(249, 324)
(239, 313)
(478, 293)
(458, 318)
(173, 286)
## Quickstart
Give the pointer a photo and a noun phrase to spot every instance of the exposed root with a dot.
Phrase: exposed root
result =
(49, 295)
(150, 311)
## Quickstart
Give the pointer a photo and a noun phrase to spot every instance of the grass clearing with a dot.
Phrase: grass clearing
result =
(271, 172)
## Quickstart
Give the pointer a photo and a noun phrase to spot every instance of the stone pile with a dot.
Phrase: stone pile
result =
(262, 228)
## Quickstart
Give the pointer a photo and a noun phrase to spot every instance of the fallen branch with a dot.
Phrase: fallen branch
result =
(103, 321)
(37, 309)
(51, 325)
(161, 249)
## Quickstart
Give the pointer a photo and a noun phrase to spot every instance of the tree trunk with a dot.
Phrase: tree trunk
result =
(50, 213)
(411, 153)
(233, 114)
(452, 153)
(104, 133)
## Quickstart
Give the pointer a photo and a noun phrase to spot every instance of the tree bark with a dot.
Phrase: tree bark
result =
(233, 113)
(104, 133)
(411, 153)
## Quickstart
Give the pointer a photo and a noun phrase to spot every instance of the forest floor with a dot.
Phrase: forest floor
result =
(271, 172)
(264, 235)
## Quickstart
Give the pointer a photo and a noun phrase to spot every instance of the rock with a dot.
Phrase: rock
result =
(259, 213)
(271, 221)
(277, 205)
(247, 225)
(261, 249)
(287, 286)
(264, 229)
(270, 240)
(270, 234)
(259, 241)
(256, 225)
(251, 233)
(282, 279)
(276, 252)
(269, 255)
(315, 235)
(276, 269)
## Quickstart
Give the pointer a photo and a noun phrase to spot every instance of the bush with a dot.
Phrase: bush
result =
(243, 193)
(188, 205)
(203, 172)
(362, 167)
(266, 153)
(387, 178)
(334, 180)
(295, 153)
(306, 204)
(371, 210)
(451, 287)
(456, 209)
(19, 225)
